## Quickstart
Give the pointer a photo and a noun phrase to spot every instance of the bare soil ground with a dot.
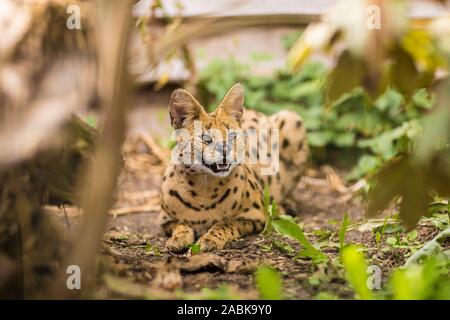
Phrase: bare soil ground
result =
(135, 264)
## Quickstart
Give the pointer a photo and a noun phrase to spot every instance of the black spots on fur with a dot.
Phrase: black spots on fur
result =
(224, 196)
(220, 183)
(213, 206)
(247, 194)
(278, 177)
(234, 205)
(215, 195)
(252, 128)
(193, 193)
(197, 222)
(187, 204)
(256, 206)
(246, 209)
(236, 175)
(285, 143)
(191, 183)
(242, 177)
(282, 124)
(171, 174)
(252, 185)
(269, 179)
(216, 189)
(254, 226)
(300, 145)
(164, 178)
(235, 190)
(298, 124)
(255, 120)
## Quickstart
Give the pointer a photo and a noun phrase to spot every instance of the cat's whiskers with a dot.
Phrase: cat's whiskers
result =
(187, 170)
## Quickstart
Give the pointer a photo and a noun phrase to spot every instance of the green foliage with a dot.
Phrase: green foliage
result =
(356, 271)
(379, 130)
(429, 280)
(194, 247)
(431, 249)
(269, 284)
(152, 249)
(271, 210)
(415, 194)
(343, 231)
(287, 227)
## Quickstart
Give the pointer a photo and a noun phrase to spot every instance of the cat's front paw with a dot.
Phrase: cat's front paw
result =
(208, 244)
(177, 244)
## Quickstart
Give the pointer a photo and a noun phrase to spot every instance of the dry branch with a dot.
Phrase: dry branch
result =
(113, 17)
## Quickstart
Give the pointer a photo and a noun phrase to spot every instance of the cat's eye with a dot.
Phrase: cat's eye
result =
(206, 138)
(232, 135)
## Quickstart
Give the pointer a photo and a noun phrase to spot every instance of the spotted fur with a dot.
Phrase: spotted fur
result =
(218, 207)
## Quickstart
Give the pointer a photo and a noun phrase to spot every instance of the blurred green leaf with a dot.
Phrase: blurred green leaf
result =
(343, 231)
(347, 75)
(268, 282)
(195, 248)
(429, 280)
(422, 98)
(356, 271)
(289, 228)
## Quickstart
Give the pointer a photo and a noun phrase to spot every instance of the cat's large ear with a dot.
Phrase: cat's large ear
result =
(183, 108)
(233, 103)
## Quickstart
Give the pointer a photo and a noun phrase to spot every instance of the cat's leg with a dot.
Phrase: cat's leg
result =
(181, 237)
(221, 233)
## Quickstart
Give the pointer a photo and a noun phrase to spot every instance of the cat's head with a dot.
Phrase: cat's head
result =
(208, 142)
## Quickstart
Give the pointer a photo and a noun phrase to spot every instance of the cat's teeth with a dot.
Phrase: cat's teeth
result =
(223, 166)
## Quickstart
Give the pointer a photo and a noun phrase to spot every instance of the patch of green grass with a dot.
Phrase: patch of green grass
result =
(152, 249)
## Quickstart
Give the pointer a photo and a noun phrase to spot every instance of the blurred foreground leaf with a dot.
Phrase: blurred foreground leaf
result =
(269, 283)
(429, 280)
(356, 271)
(412, 181)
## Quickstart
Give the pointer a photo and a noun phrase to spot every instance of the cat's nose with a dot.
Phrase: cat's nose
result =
(221, 147)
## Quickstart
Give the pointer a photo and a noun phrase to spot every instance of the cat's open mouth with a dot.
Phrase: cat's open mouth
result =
(217, 167)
